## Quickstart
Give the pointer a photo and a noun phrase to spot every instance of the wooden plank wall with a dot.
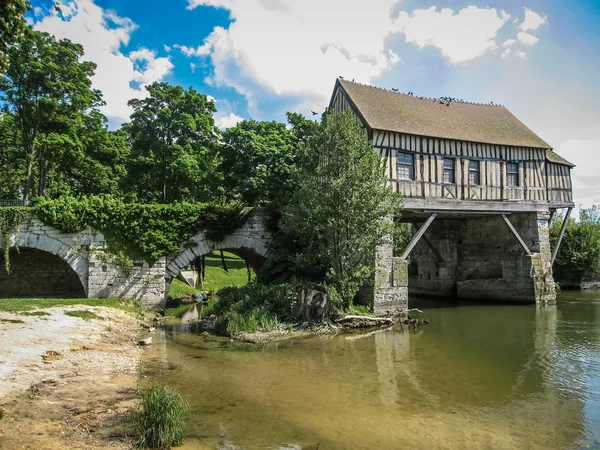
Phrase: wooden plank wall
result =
(539, 180)
(430, 152)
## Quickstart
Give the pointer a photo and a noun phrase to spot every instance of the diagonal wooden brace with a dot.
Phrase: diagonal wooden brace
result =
(417, 236)
(521, 241)
(560, 236)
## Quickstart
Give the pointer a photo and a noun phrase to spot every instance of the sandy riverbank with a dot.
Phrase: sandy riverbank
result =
(66, 382)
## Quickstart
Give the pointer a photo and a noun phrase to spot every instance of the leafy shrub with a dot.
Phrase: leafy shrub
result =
(253, 307)
(159, 423)
(580, 248)
(141, 231)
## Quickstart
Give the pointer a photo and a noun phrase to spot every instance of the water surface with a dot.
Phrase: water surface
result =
(478, 376)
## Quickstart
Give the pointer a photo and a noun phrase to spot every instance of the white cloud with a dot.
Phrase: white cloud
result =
(227, 121)
(506, 53)
(460, 36)
(201, 50)
(585, 154)
(509, 43)
(527, 39)
(103, 34)
(296, 48)
(532, 20)
(521, 54)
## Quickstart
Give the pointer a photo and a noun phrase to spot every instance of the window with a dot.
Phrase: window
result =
(406, 166)
(512, 174)
(474, 173)
(449, 171)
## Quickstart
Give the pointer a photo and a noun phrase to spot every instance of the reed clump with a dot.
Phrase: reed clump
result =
(159, 421)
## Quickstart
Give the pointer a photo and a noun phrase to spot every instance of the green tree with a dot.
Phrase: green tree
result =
(12, 24)
(11, 174)
(580, 247)
(173, 145)
(258, 160)
(46, 88)
(94, 163)
(339, 211)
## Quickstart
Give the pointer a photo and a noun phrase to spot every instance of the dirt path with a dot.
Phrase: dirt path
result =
(68, 383)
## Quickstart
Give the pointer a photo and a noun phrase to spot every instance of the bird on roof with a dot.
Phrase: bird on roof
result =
(394, 89)
(314, 113)
(341, 77)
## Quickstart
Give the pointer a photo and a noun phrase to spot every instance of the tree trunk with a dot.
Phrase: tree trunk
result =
(27, 191)
(223, 262)
(249, 271)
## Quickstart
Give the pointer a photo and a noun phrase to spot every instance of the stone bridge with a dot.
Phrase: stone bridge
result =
(46, 262)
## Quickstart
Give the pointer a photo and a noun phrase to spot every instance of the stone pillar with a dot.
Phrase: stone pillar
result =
(544, 286)
(390, 289)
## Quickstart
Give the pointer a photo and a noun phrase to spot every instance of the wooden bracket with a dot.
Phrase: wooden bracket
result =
(417, 236)
(521, 241)
(560, 236)
(434, 250)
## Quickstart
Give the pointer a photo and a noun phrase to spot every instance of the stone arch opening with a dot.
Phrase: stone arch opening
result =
(38, 273)
(254, 255)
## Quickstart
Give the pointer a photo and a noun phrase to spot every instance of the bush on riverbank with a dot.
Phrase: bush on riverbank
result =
(253, 307)
(580, 248)
(159, 423)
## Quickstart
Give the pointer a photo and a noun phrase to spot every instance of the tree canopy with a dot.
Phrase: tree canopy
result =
(339, 212)
(12, 24)
(173, 145)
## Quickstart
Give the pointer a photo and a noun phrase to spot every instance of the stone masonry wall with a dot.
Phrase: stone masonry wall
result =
(480, 258)
(100, 276)
(37, 273)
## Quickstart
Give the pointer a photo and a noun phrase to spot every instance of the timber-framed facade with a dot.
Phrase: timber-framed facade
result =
(470, 170)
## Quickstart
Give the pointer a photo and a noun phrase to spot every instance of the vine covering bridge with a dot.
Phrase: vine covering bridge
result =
(51, 263)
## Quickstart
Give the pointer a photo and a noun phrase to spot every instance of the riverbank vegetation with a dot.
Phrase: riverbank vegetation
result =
(579, 253)
(159, 421)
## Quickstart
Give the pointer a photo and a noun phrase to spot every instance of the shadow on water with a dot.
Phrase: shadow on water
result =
(479, 376)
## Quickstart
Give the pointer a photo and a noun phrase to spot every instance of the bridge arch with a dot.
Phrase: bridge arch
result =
(48, 244)
(252, 249)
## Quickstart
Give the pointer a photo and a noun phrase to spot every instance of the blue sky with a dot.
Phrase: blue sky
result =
(261, 58)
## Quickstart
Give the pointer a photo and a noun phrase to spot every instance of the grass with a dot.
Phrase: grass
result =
(257, 319)
(159, 423)
(83, 314)
(11, 321)
(34, 313)
(26, 305)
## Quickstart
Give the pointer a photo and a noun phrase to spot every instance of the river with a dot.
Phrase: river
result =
(478, 376)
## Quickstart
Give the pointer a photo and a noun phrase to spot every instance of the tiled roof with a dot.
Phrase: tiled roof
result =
(556, 158)
(394, 111)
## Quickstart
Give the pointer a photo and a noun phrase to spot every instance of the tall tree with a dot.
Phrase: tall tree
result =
(173, 145)
(12, 24)
(259, 158)
(46, 87)
(11, 173)
(339, 211)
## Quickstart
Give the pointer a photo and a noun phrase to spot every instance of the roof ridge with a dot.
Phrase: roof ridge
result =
(423, 97)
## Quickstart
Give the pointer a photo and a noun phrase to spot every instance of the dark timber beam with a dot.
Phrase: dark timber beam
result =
(417, 236)
(521, 241)
(560, 236)
(434, 250)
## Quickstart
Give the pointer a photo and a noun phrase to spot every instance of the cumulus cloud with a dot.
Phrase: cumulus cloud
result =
(532, 20)
(527, 39)
(103, 34)
(297, 49)
(227, 120)
(460, 36)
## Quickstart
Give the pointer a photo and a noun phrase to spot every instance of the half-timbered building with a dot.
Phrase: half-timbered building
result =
(480, 188)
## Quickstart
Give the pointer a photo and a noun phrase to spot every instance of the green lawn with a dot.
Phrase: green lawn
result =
(216, 277)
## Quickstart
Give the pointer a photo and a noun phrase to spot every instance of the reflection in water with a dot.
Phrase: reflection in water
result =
(479, 376)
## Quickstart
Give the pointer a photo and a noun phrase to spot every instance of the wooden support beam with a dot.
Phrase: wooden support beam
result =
(417, 236)
(521, 241)
(434, 250)
(560, 236)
